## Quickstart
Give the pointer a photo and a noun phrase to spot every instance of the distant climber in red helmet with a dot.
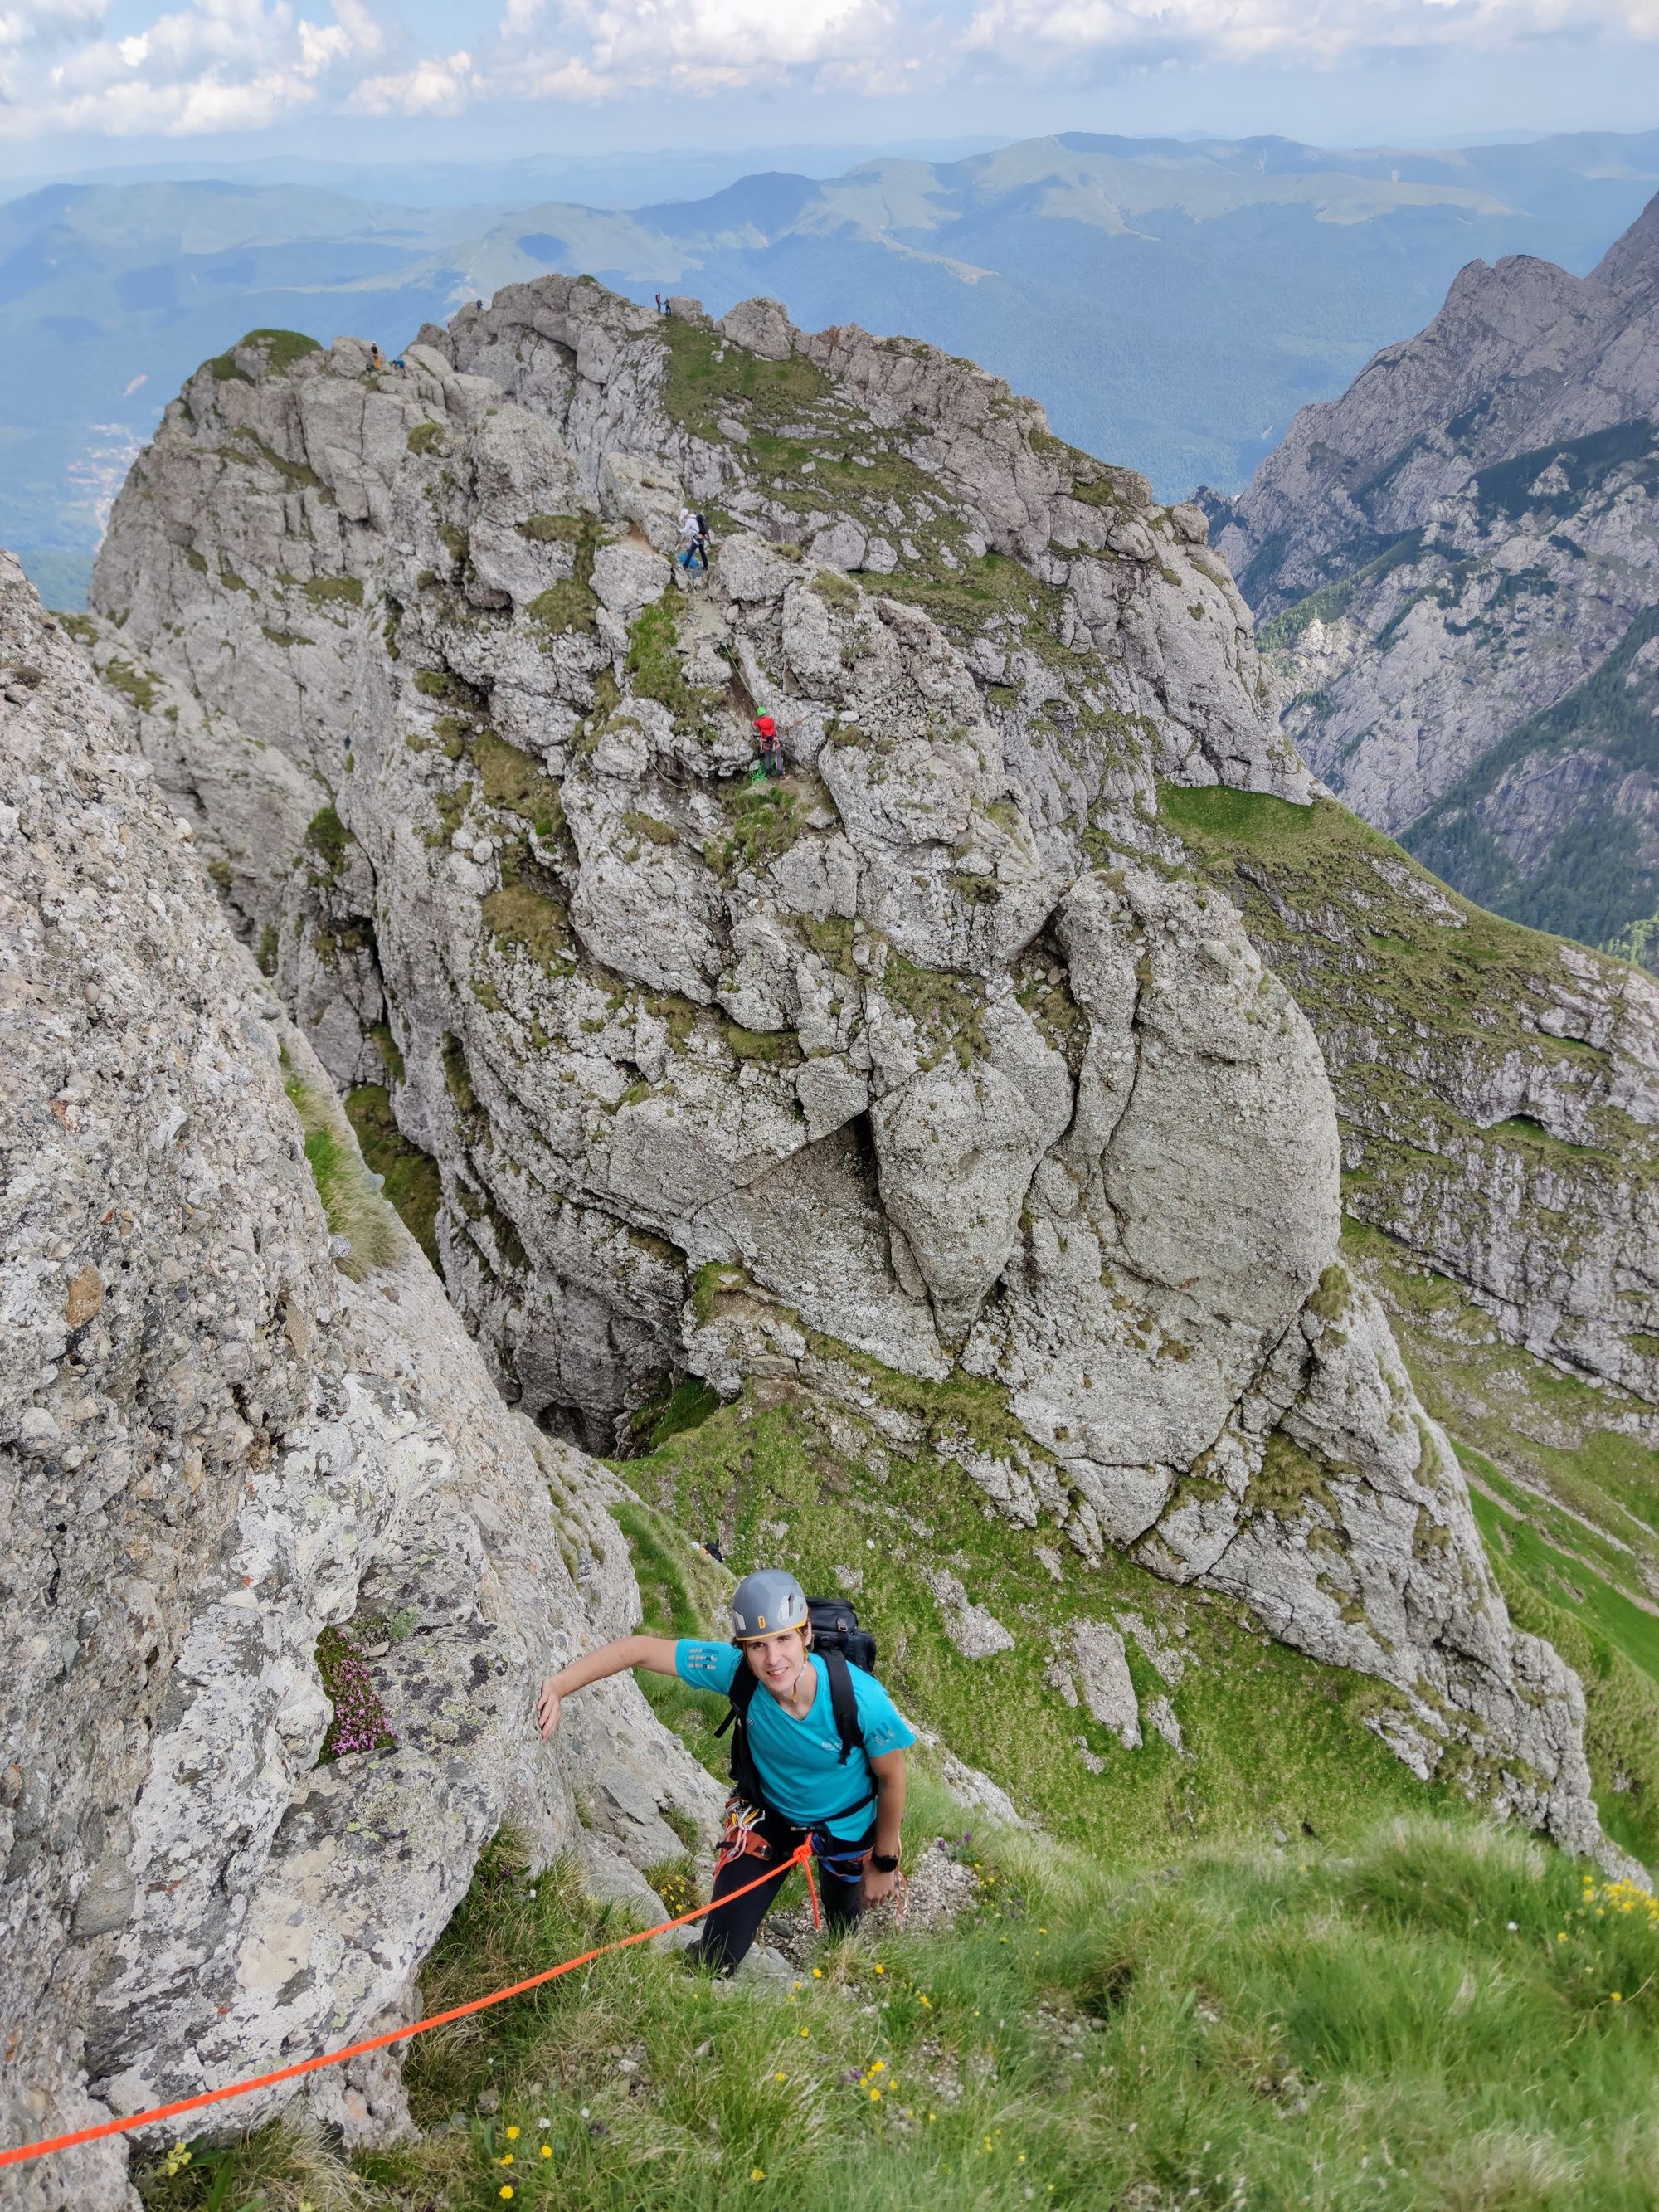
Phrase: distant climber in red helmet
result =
(771, 746)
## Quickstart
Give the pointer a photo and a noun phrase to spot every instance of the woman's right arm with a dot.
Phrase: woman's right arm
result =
(656, 1652)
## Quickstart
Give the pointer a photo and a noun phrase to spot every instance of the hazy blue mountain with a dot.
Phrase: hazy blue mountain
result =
(1171, 302)
(622, 179)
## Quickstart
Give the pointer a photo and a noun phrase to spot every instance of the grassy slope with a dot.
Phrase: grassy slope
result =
(1568, 1504)
(1327, 896)
(1165, 2000)
(1443, 2017)
(1270, 1738)
(1567, 1492)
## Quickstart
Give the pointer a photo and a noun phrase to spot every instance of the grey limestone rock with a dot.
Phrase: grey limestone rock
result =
(976, 1633)
(220, 1434)
(1094, 1671)
(1459, 556)
(925, 1061)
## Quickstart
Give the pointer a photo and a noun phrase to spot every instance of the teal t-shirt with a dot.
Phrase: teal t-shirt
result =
(799, 1762)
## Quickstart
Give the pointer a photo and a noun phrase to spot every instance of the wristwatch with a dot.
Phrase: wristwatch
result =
(884, 1862)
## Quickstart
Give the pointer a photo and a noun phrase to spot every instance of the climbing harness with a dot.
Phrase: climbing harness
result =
(802, 1857)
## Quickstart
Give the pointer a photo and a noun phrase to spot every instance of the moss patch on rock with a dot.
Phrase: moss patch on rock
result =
(411, 1179)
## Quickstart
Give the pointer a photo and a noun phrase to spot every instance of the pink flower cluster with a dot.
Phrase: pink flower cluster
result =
(359, 1722)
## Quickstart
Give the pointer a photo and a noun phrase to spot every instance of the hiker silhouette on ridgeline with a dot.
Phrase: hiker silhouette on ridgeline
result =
(817, 1750)
(660, 303)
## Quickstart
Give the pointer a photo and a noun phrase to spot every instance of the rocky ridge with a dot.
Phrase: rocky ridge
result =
(1457, 558)
(909, 1082)
(224, 1428)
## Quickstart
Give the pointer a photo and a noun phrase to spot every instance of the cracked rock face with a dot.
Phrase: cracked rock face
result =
(214, 1444)
(877, 1080)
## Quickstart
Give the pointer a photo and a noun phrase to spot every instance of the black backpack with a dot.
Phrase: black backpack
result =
(839, 1641)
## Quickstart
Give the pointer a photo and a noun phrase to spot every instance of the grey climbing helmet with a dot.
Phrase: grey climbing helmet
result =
(766, 1602)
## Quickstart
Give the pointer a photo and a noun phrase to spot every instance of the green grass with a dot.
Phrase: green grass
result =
(511, 779)
(698, 388)
(355, 1208)
(1425, 2021)
(1567, 1504)
(765, 822)
(1621, 1726)
(1270, 1737)
(1568, 1583)
(1550, 1437)
(328, 839)
(654, 665)
(1330, 903)
(569, 604)
(526, 914)
(333, 591)
(281, 350)
(139, 687)
(411, 1182)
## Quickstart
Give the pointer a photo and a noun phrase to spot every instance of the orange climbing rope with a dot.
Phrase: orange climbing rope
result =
(802, 1857)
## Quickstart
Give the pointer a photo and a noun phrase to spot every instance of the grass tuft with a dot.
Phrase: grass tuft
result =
(355, 1208)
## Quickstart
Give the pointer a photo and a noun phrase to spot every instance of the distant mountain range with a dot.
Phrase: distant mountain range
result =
(1172, 303)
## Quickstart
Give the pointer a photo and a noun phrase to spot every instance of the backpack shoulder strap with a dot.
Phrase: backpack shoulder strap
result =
(741, 1694)
(843, 1703)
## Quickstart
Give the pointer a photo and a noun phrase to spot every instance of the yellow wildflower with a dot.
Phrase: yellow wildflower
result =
(513, 2135)
(757, 2173)
(547, 2150)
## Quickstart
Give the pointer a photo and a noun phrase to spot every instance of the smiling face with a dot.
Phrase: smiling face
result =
(777, 1660)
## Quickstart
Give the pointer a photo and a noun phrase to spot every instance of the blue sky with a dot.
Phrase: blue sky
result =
(131, 81)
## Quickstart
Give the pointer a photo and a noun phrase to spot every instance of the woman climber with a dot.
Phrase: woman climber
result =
(817, 1756)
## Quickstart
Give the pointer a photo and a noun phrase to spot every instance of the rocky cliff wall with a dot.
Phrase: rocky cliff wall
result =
(1458, 559)
(225, 1428)
(1105, 643)
(869, 1072)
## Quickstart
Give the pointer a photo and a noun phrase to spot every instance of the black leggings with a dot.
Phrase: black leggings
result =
(731, 1928)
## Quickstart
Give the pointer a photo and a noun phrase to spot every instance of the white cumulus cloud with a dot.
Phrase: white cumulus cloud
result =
(1040, 33)
(217, 65)
(595, 49)
(210, 65)
(438, 84)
